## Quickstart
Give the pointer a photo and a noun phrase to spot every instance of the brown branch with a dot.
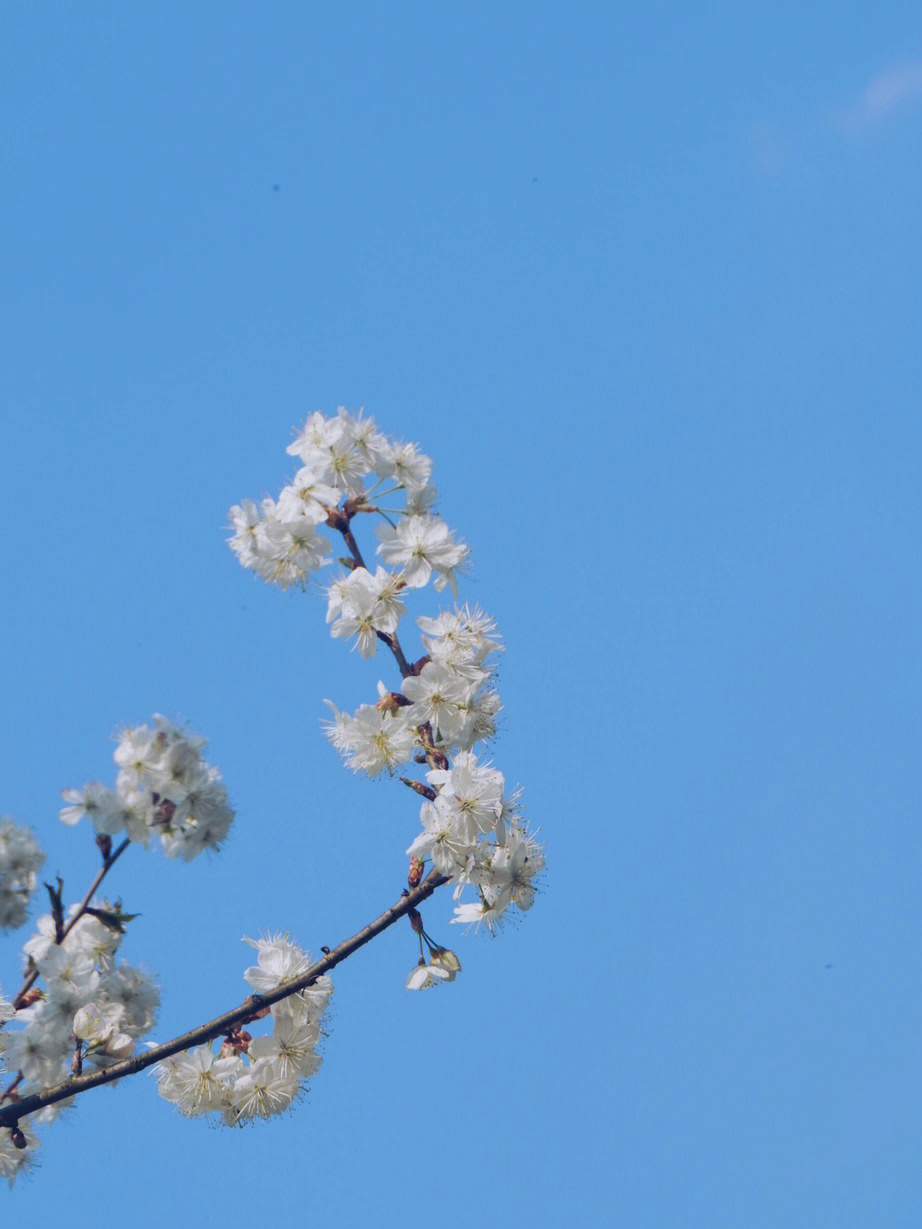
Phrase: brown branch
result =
(107, 864)
(221, 1025)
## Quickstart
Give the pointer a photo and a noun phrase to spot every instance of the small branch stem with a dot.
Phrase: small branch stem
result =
(108, 863)
(221, 1025)
(390, 639)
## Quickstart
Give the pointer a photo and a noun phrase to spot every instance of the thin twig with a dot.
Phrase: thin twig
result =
(388, 638)
(107, 865)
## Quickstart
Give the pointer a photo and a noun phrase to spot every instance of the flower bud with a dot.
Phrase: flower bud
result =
(338, 520)
(446, 960)
(424, 791)
(97, 1021)
(120, 1046)
(391, 701)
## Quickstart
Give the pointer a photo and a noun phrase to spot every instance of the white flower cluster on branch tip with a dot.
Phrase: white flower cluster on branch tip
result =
(446, 704)
(255, 1077)
(164, 789)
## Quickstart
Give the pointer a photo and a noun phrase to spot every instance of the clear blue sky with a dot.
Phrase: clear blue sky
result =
(644, 282)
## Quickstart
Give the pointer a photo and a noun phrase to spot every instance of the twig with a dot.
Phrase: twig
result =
(388, 638)
(107, 865)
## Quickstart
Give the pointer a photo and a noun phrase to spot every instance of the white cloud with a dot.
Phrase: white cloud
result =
(893, 90)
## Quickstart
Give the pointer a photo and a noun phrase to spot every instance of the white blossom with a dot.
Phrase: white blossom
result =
(95, 802)
(306, 496)
(97, 1021)
(279, 960)
(448, 839)
(87, 935)
(164, 788)
(292, 1046)
(405, 465)
(425, 976)
(262, 1090)
(514, 866)
(421, 545)
(135, 993)
(339, 451)
(260, 1076)
(471, 791)
(479, 914)
(440, 697)
(373, 739)
(197, 1082)
(244, 542)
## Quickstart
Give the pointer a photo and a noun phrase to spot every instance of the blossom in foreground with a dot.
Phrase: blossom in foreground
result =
(264, 1089)
(90, 1004)
(373, 739)
(478, 914)
(421, 546)
(362, 604)
(306, 496)
(279, 960)
(196, 1081)
(407, 466)
(282, 552)
(443, 965)
(513, 869)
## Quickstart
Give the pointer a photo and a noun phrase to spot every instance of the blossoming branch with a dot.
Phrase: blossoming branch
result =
(79, 1012)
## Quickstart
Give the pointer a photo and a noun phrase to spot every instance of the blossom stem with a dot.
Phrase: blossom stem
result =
(388, 638)
(389, 491)
(107, 864)
(221, 1025)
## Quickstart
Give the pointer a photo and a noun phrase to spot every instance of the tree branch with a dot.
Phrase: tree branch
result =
(220, 1025)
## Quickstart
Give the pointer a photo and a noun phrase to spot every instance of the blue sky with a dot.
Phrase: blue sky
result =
(644, 284)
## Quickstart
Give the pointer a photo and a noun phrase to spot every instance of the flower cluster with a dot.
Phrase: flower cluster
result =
(78, 1007)
(474, 834)
(252, 1077)
(90, 1011)
(20, 860)
(164, 788)
(446, 703)
(278, 538)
